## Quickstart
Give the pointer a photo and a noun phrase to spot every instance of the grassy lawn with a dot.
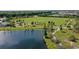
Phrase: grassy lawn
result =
(63, 36)
(60, 35)
(77, 36)
(41, 20)
(50, 44)
(20, 28)
(58, 21)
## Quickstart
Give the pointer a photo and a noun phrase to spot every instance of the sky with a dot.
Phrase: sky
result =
(38, 4)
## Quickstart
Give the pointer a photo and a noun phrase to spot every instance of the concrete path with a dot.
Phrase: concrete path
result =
(54, 38)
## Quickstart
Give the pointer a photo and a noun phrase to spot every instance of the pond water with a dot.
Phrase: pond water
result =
(29, 39)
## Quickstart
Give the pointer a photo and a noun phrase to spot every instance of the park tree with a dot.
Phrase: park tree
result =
(33, 24)
(13, 23)
(22, 23)
(49, 23)
(61, 27)
(45, 30)
(52, 26)
(49, 29)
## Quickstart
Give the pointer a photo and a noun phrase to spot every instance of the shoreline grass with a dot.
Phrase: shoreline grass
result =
(49, 43)
(19, 28)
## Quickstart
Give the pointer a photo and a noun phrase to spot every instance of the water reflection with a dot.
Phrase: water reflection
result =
(22, 39)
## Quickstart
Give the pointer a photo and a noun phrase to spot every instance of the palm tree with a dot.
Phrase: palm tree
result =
(52, 26)
(61, 27)
(13, 23)
(45, 30)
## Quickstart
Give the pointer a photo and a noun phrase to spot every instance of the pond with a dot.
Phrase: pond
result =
(29, 39)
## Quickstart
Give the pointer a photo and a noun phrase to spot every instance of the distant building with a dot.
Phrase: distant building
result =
(2, 19)
(3, 22)
(35, 16)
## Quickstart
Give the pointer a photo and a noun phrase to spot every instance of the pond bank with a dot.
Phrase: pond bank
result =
(49, 43)
(19, 28)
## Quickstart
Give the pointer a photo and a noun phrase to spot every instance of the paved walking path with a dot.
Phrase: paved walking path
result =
(56, 30)
(54, 38)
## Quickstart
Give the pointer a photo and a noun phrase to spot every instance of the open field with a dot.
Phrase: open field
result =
(58, 21)
(41, 20)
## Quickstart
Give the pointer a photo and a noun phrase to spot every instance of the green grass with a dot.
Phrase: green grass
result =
(58, 21)
(50, 44)
(77, 36)
(77, 43)
(64, 36)
(42, 20)
(20, 28)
